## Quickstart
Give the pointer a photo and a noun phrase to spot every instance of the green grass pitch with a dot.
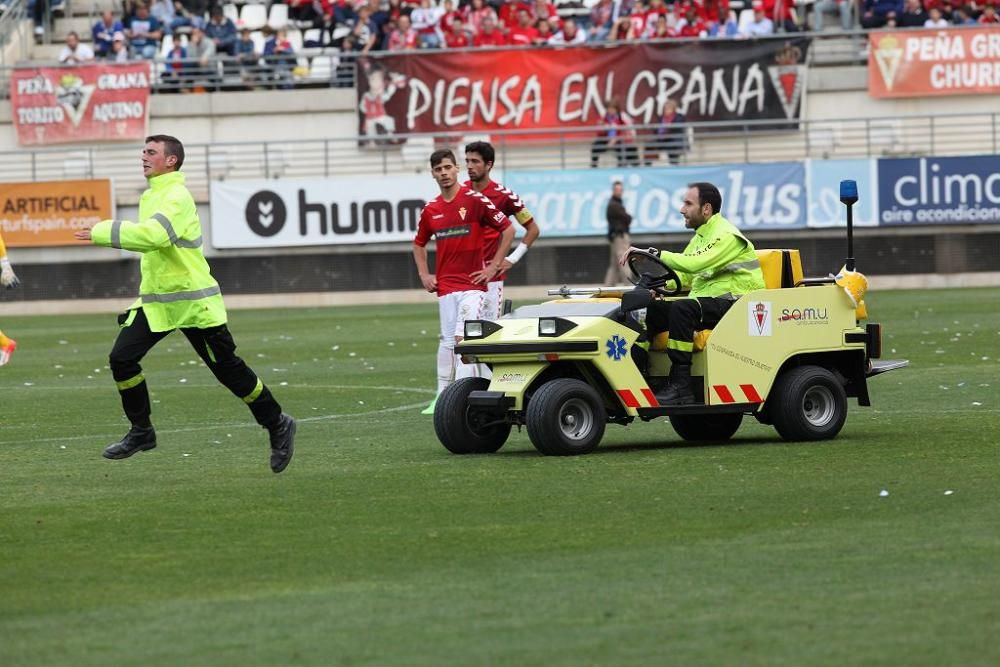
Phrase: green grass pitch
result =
(377, 547)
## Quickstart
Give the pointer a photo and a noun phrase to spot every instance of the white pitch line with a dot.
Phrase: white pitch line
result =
(211, 427)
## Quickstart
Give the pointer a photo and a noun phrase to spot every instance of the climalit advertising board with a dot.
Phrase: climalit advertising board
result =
(933, 191)
(573, 202)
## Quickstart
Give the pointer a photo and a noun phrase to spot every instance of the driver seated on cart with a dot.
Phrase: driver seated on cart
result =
(718, 266)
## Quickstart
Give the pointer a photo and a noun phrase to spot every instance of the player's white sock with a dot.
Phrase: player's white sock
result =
(446, 361)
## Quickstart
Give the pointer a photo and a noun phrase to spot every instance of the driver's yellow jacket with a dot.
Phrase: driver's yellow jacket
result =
(177, 289)
(719, 260)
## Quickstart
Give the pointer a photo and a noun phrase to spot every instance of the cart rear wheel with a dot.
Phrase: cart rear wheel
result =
(808, 403)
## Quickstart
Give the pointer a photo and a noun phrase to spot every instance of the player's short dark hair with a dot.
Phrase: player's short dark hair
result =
(485, 150)
(171, 146)
(708, 194)
(442, 154)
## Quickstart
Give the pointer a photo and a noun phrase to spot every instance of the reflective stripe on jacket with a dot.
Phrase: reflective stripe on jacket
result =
(717, 261)
(177, 288)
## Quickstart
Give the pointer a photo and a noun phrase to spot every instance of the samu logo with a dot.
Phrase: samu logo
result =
(266, 213)
(616, 347)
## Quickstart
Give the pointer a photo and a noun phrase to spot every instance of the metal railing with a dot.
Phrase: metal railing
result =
(709, 143)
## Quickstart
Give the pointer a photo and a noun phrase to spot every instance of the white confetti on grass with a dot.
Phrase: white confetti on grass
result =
(948, 492)
(883, 493)
(976, 403)
(182, 380)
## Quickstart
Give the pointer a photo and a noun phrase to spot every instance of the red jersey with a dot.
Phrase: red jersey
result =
(519, 36)
(495, 38)
(458, 227)
(507, 202)
(456, 42)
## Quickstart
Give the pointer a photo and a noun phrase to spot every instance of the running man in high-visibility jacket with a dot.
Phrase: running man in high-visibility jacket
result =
(10, 281)
(177, 291)
(718, 266)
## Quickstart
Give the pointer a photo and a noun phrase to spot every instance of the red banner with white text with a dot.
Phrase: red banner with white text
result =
(922, 63)
(80, 104)
(495, 89)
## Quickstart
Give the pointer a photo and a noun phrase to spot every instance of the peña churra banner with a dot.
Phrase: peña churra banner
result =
(80, 104)
(924, 63)
(502, 89)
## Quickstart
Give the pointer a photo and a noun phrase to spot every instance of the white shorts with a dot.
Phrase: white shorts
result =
(455, 308)
(493, 301)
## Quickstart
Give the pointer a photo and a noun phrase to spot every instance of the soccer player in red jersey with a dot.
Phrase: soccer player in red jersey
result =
(479, 159)
(457, 219)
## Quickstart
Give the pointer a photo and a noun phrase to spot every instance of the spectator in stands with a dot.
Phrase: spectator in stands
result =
(173, 73)
(621, 29)
(782, 13)
(165, 13)
(306, 12)
(935, 19)
(457, 37)
(544, 30)
(119, 48)
(75, 53)
(730, 28)
(365, 36)
(616, 135)
(524, 33)
(248, 58)
(202, 50)
(221, 30)
(41, 16)
(189, 13)
(845, 8)
(601, 20)
(989, 16)
(691, 25)
(104, 31)
(450, 16)
(342, 14)
(961, 17)
(912, 16)
(404, 37)
(489, 34)
(570, 34)
(669, 136)
(876, 13)
(144, 33)
(426, 20)
(280, 56)
(475, 13)
(545, 10)
(760, 25)
(507, 13)
(661, 28)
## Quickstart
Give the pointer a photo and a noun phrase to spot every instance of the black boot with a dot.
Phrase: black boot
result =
(138, 439)
(282, 443)
(678, 392)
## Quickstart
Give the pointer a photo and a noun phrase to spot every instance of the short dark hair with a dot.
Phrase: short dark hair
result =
(442, 154)
(485, 150)
(708, 194)
(171, 146)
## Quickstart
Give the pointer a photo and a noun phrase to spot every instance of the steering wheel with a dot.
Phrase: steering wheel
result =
(649, 272)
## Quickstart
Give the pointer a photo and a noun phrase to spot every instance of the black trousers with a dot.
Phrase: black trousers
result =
(216, 348)
(681, 318)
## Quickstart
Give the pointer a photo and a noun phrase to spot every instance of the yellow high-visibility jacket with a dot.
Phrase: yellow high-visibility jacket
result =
(718, 260)
(177, 288)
